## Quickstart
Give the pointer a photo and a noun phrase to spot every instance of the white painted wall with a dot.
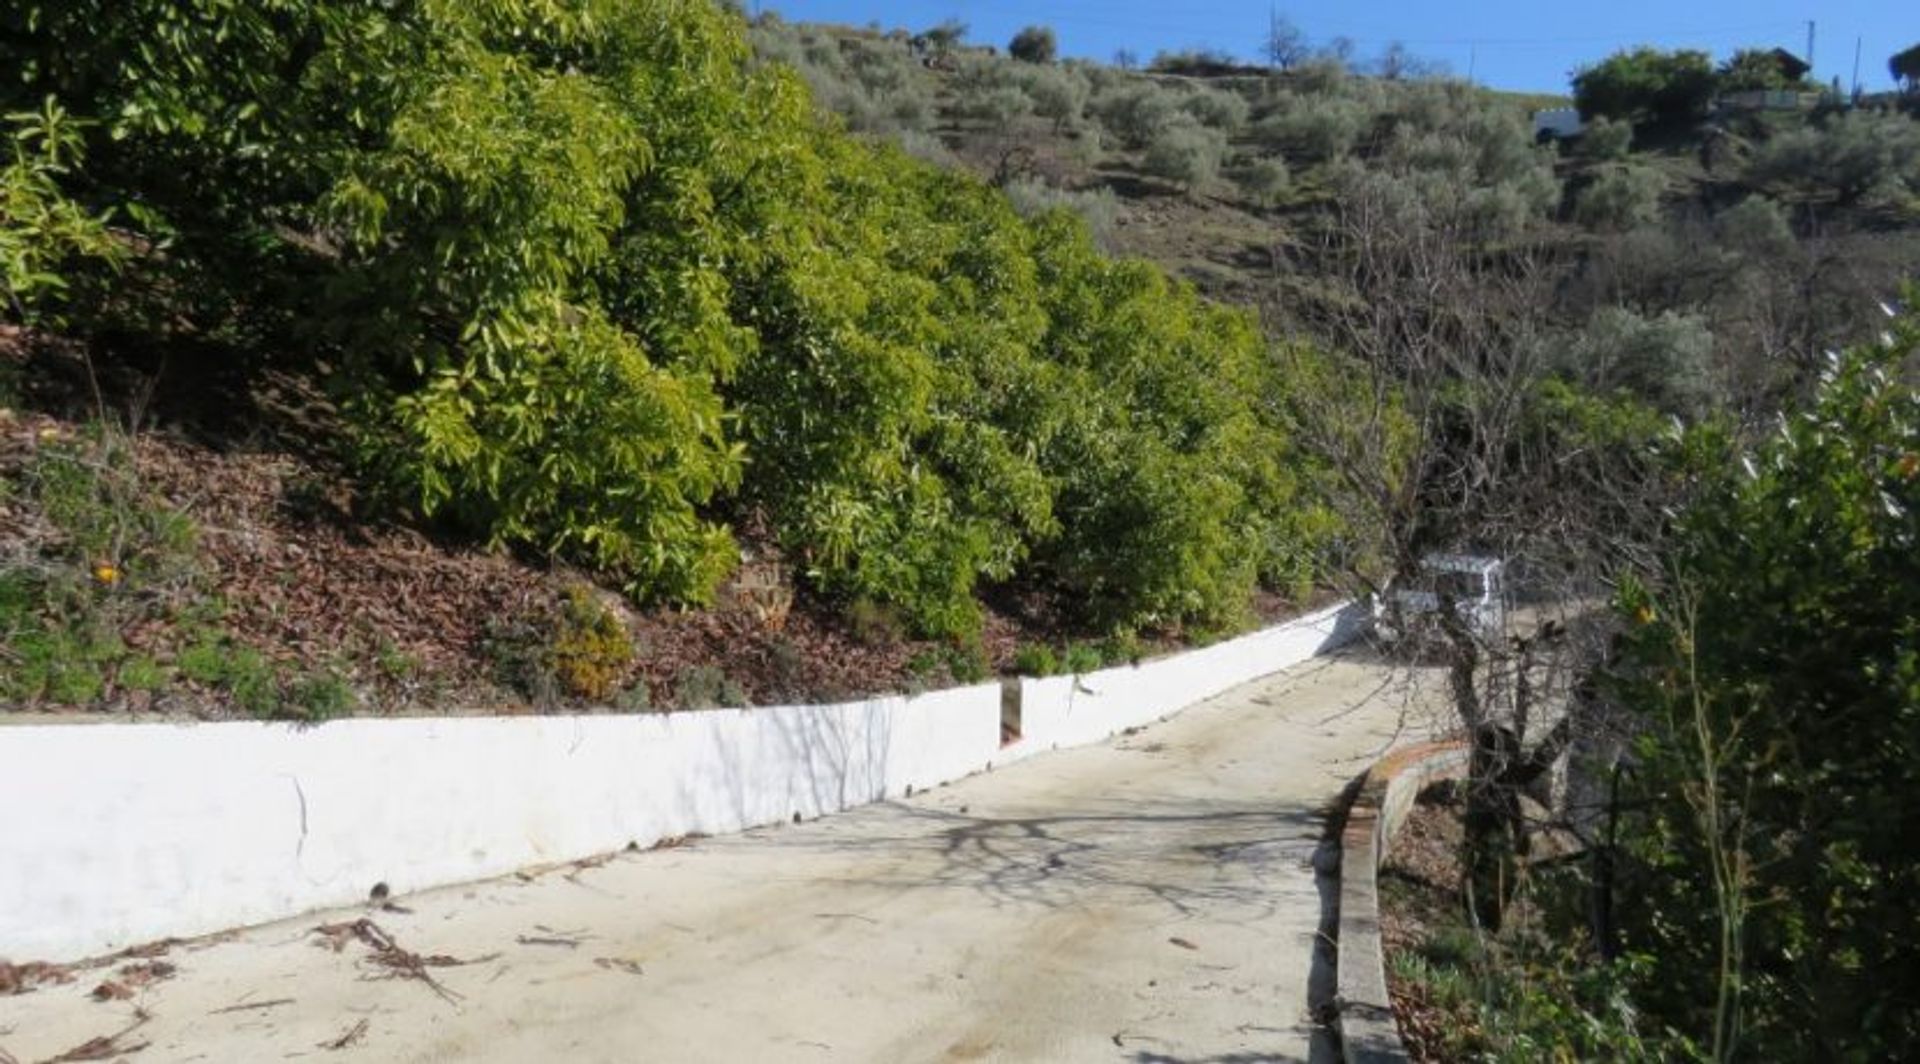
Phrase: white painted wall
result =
(1062, 711)
(115, 834)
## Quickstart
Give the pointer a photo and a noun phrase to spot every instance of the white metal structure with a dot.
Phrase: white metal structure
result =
(1473, 586)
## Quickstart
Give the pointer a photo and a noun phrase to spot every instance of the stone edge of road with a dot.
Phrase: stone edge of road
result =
(1368, 1034)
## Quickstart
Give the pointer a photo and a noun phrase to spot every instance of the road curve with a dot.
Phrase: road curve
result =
(1150, 899)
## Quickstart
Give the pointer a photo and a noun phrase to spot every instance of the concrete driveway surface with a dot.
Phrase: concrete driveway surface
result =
(1153, 899)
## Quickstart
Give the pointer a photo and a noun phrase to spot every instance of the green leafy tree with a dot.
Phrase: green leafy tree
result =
(1751, 69)
(1904, 67)
(1034, 44)
(1778, 677)
(1646, 85)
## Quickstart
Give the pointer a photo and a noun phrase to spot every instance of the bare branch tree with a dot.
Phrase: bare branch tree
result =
(1444, 437)
(1285, 44)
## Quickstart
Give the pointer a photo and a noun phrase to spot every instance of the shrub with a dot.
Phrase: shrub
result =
(707, 687)
(875, 624)
(114, 559)
(1034, 44)
(967, 662)
(320, 696)
(1623, 197)
(591, 284)
(1319, 130)
(1080, 659)
(1035, 659)
(520, 653)
(591, 646)
(996, 107)
(1605, 139)
(1851, 155)
(1216, 109)
(1186, 155)
(1058, 95)
(1757, 227)
(1138, 114)
(1263, 180)
(1097, 208)
(1665, 360)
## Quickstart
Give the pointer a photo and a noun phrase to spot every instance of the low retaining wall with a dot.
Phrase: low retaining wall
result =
(116, 834)
(1072, 710)
(1368, 1034)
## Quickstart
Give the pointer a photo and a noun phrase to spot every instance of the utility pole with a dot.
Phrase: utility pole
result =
(1273, 29)
(1856, 67)
(1473, 61)
(1809, 47)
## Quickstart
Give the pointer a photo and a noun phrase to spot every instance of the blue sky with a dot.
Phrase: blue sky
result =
(1507, 44)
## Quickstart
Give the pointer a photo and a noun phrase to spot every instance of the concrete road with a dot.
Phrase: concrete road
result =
(1152, 899)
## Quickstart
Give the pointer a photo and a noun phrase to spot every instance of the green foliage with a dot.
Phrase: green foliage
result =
(1081, 658)
(320, 696)
(1137, 112)
(1059, 95)
(707, 687)
(1034, 44)
(1263, 181)
(1756, 227)
(1778, 680)
(1624, 196)
(967, 662)
(1904, 66)
(1849, 156)
(1123, 647)
(520, 654)
(1187, 155)
(1317, 130)
(1606, 139)
(1458, 162)
(874, 624)
(576, 648)
(216, 661)
(1216, 109)
(1035, 659)
(41, 229)
(1664, 361)
(1645, 85)
(116, 562)
(593, 283)
(1097, 208)
(591, 646)
(1755, 69)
